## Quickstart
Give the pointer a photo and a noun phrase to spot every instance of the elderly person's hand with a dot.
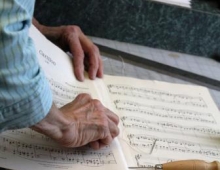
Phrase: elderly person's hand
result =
(83, 121)
(72, 39)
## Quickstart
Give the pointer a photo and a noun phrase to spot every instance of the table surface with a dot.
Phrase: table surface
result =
(202, 66)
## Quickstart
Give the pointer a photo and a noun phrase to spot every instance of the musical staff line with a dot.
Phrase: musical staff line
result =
(169, 127)
(145, 142)
(41, 153)
(149, 161)
(64, 93)
(157, 95)
(164, 112)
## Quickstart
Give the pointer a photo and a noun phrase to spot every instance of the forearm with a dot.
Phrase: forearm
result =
(25, 94)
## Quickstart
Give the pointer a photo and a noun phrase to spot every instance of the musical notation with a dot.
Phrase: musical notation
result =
(157, 123)
(66, 88)
(51, 154)
(149, 161)
(164, 112)
(23, 133)
(64, 93)
(157, 95)
(145, 142)
(71, 88)
(168, 127)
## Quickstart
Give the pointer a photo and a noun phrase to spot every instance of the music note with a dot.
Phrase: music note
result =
(43, 153)
(152, 94)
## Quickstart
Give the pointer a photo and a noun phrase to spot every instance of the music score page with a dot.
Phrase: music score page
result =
(162, 122)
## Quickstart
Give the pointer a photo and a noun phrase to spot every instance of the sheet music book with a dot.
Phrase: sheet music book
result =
(159, 121)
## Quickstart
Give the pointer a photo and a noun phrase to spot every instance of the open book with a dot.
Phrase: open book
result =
(159, 122)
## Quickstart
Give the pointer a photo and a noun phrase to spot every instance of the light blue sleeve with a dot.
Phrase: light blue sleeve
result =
(25, 96)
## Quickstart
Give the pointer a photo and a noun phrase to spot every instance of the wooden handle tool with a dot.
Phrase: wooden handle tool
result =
(189, 165)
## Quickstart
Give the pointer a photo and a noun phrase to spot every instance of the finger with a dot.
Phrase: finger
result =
(85, 113)
(78, 55)
(93, 63)
(86, 62)
(113, 129)
(100, 68)
(112, 116)
(81, 100)
(77, 103)
(106, 141)
(94, 145)
(95, 66)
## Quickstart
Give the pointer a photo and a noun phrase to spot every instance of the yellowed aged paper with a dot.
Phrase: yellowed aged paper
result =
(161, 122)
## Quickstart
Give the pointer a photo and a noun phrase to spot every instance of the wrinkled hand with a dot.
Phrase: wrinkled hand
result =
(83, 121)
(83, 50)
(72, 39)
(92, 122)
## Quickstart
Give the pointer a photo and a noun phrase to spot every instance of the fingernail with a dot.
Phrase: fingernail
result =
(80, 78)
(92, 76)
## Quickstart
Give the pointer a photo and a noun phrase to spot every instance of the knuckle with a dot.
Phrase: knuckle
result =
(104, 124)
(103, 119)
(117, 119)
(109, 141)
(93, 67)
(96, 103)
(84, 96)
(118, 131)
(73, 29)
(102, 128)
(94, 64)
(115, 132)
(94, 49)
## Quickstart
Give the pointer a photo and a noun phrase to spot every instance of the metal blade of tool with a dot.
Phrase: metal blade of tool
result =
(162, 68)
(142, 168)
